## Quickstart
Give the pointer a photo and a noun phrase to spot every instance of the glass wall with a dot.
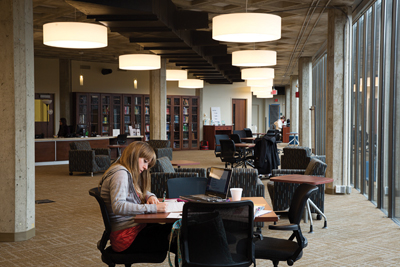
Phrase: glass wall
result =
(319, 102)
(376, 107)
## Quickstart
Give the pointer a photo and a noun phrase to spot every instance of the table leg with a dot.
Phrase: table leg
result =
(319, 212)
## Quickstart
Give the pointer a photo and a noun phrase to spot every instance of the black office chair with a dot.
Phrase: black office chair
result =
(121, 139)
(108, 255)
(229, 153)
(235, 138)
(248, 132)
(219, 137)
(276, 249)
(177, 187)
(217, 234)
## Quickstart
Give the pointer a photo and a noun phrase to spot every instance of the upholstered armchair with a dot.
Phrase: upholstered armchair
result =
(281, 193)
(163, 170)
(162, 148)
(83, 158)
(297, 157)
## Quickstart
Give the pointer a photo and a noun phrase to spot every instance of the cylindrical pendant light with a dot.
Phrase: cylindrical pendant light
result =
(74, 35)
(254, 58)
(139, 62)
(258, 73)
(246, 27)
(260, 83)
(176, 75)
(260, 90)
(191, 83)
(264, 96)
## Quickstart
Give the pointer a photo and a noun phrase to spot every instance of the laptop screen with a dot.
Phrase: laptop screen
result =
(218, 182)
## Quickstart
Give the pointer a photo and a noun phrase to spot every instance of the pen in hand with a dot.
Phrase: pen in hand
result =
(165, 193)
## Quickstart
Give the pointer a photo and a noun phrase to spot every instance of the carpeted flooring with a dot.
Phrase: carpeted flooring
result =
(68, 229)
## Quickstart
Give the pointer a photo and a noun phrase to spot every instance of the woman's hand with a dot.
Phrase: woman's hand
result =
(152, 200)
(162, 207)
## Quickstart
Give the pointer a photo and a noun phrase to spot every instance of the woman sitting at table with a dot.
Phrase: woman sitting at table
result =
(125, 189)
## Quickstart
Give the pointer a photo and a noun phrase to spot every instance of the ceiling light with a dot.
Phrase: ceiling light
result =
(264, 96)
(176, 75)
(74, 35)
(246, 27)
(139, 62)
(260, 83)
(191, 83)
(258, 73)
(254, 58)
(259, 90)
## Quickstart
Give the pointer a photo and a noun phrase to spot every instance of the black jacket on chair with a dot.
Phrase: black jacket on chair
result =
(266, 155)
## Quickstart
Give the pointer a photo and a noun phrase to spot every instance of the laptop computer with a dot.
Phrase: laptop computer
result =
(217, 189)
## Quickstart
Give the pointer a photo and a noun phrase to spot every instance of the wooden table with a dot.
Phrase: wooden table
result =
(306, 179)
(183, 162)
(162, 217)
(251, 139)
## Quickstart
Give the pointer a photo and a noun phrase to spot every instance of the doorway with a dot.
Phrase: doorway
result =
(239, 114)
(44, 115)
(274, 112)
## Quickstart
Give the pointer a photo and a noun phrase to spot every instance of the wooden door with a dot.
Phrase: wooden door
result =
(239, 114)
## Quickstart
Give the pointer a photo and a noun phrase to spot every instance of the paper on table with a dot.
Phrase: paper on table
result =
(259, 211)
(174, 215)
(175, 206)
(262, 212)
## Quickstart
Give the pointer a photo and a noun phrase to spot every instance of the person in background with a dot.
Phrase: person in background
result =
(64, 130)
(125, 189)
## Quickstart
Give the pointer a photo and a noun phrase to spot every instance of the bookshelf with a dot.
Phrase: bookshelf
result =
(101, 113)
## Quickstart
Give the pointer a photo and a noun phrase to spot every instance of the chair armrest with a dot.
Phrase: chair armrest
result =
(287, 227)
(102, 151)
(260, 188)
(201, 171)
(279, 172)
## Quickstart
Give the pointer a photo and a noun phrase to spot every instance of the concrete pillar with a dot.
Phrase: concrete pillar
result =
(17, 159)
(305, 100)
(65, 91)
(335, 108)
(294, 102)
(287, 101)
(158, 103)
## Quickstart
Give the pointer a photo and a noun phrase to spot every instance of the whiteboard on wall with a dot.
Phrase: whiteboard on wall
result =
(216, 115)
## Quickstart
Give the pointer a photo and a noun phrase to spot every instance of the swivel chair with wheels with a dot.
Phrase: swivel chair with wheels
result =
(108, 255)
(276, 249)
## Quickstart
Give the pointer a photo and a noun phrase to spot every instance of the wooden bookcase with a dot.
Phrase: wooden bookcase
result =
(100, 114)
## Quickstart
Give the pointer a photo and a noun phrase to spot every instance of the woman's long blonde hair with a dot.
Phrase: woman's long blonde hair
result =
(130, 160)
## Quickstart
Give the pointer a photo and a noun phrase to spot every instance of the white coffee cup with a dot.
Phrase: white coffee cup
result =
(236, 194)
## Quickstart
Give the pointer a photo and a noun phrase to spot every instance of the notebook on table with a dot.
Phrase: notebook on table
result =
(217, 189)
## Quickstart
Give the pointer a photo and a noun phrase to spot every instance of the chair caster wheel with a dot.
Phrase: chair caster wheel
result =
(70, 173)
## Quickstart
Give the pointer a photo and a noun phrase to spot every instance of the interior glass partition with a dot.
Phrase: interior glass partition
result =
(319, 103)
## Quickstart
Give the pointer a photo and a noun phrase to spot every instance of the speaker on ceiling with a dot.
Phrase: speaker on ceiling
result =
(106, 71)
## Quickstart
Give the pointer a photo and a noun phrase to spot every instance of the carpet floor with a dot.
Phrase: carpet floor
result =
(68, 229)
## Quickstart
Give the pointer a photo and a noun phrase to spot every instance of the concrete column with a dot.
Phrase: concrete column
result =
(158, 103)
(335, 108)
(305, 100)
(294, 102)
(17, 159)
(65, 91)
(287, 100)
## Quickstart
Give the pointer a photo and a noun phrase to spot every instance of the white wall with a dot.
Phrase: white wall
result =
(221, 95)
